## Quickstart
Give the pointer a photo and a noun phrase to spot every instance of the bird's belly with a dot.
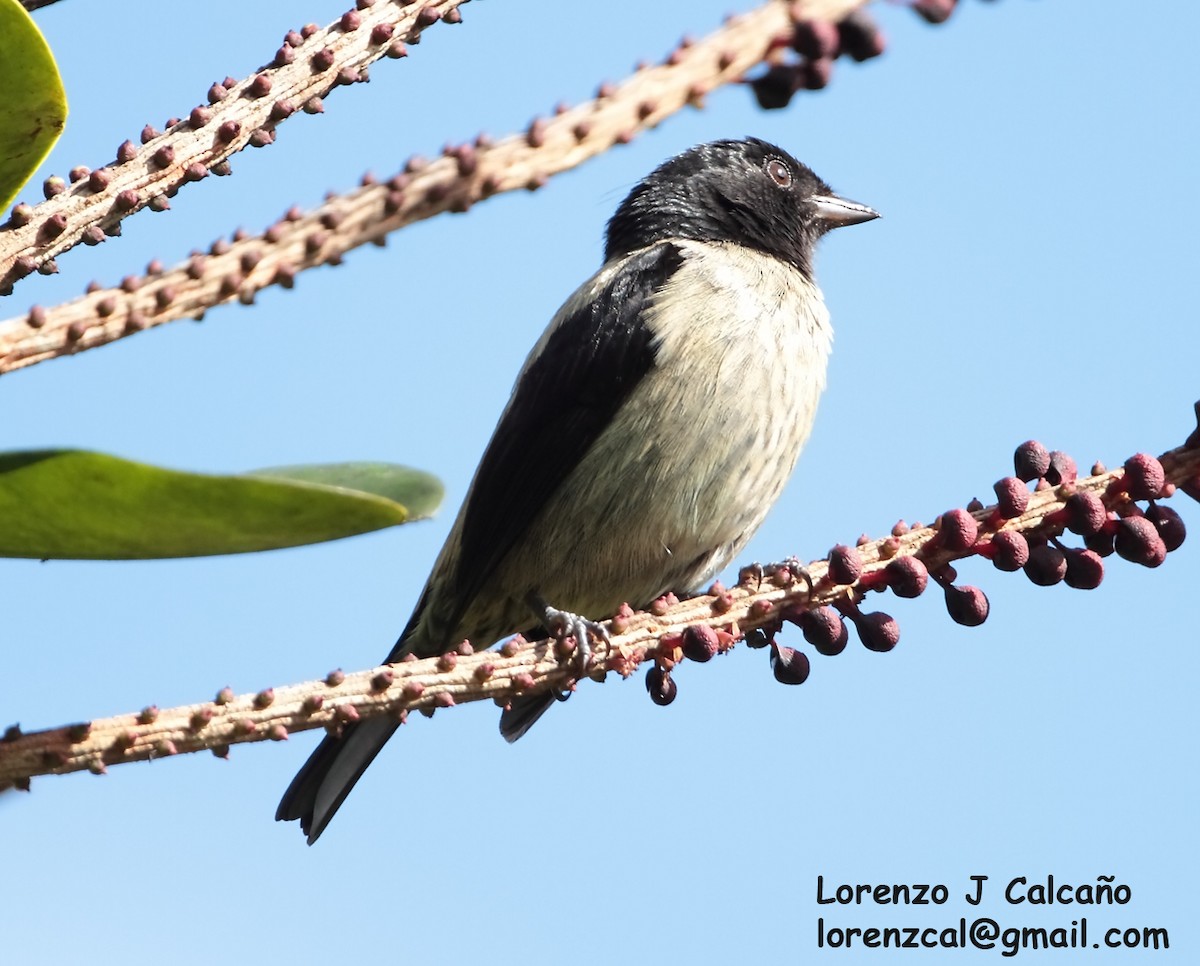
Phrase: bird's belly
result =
(674, 491)
(694, 459)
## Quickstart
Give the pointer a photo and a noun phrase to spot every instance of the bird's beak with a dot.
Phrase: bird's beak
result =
(835, 212)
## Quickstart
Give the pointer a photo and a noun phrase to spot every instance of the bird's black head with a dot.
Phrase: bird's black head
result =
(747, 192)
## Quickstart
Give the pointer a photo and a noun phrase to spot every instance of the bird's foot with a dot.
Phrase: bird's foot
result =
(797, 569)
(561, 624)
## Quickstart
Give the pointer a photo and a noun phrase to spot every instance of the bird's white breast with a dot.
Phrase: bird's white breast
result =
(703, 446)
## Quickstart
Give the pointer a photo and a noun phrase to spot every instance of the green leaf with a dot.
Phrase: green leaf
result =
(420, 493)
(33, 104)
(74, 504)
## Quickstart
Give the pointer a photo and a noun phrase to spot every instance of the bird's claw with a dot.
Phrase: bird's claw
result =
(799, 570)
(562, 624)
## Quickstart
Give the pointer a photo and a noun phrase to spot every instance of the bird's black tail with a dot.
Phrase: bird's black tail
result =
(320, 787)
(522, 713)
(322, 784)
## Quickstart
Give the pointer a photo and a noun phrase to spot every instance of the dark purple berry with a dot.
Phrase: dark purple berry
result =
(934, 11)
(1030, 461)
(859, 37)
(1062, 469)
(1047, 565)
(845, 564)
(757, 638)
(814, 75)
(789, 665)
(966, 605)
(825, 630)
(1169, 526)
(1144, 477)
(907, 576)
(1085, 569)
(815, 39)
(774, 89)
(878, 631)
(662, 689)
(1138, 542)
(1101, 542)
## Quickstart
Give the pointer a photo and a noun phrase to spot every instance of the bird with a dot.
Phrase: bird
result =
(649, 431)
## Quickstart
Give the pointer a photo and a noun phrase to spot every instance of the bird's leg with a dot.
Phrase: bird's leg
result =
(561, 624)
(798, 569)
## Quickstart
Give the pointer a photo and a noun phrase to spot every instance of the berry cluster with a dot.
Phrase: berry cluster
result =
(817, 44)
(1016, 533)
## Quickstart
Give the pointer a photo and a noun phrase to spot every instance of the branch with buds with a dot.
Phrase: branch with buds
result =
(1022, 531)
(235, 270)
(238, 114)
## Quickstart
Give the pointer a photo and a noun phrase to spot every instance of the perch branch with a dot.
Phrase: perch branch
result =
(762, 599)
(464, 175)
(310, 63)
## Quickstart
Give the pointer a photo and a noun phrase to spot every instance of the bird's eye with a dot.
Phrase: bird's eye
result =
(780, 173)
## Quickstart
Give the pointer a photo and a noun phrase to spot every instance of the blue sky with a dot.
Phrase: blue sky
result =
(1033, 276)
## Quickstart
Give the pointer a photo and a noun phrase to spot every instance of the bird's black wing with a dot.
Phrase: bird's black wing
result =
(589, 365)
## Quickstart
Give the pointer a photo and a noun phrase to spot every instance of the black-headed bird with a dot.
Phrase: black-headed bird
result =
(652, 427)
